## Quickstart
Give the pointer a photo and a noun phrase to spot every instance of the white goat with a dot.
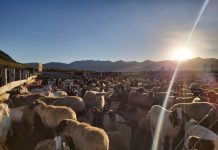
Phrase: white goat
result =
(168, 127)
(193, 129)
(5, 123)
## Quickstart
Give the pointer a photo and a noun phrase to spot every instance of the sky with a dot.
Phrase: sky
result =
(130, 30)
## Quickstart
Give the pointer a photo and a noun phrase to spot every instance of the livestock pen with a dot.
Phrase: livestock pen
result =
(122, 83)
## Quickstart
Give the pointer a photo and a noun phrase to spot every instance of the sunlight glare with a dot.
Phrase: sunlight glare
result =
(182, 54)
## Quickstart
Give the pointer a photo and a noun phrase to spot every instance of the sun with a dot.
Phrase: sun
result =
(182, 54)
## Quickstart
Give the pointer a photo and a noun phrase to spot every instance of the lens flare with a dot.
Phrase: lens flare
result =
(160, 120)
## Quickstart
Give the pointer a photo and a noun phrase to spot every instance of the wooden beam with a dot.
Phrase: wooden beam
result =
(12, 85)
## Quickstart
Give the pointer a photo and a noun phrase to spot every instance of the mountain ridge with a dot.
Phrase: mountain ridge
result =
(195, 64)
(7, 61)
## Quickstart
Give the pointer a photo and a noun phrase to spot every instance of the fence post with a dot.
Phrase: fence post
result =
(11, 74)
(25, 74)
(4, 76)
(28, 73)
(20, 74)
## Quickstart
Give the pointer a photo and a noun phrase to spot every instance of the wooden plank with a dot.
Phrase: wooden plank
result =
(14, 84)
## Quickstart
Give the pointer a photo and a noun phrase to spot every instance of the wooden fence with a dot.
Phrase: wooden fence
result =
(11, 85)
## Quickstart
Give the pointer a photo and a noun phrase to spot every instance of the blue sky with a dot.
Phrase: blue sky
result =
(130, 30)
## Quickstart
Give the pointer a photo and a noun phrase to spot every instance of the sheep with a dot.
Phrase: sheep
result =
(198, 111)
(5, 123)
(85, 136)
(24, 119)
(50, 115)
(170, 124)
(112, 105)
(120, 138)
(141, 99)
(133, 115)
(59, 142)
(110, 92)
(22, 113)
(105, 120)
(159, 97)
(47, 90)
(192, 129)
(37, 91)
(23, 90)
(74, 102)
(111, 120)
(137, 119)
(95, 99)
(88, 117)
(21, 100)
(60, 93)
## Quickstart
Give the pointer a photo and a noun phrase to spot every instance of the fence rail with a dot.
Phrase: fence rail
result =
(11, 85)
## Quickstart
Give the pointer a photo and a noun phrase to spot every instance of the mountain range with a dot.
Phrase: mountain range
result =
(195, 64)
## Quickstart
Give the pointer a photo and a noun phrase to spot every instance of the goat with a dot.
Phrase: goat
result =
(170, 125)
(198, 111)
(120, 138)
(193, 129)
(5, 123)
(85, 136)
(50, 115)
(59, 143)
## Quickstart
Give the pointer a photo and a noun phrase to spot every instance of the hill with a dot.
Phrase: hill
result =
(6, 60)
(195, 64)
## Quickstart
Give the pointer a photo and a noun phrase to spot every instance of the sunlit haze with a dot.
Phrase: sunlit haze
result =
(182, 54)
(129, 30)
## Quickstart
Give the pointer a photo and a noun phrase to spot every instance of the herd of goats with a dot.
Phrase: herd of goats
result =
(114, 113)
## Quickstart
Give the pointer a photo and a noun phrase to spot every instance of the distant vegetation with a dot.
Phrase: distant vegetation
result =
(6, 60)
(66, 70)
